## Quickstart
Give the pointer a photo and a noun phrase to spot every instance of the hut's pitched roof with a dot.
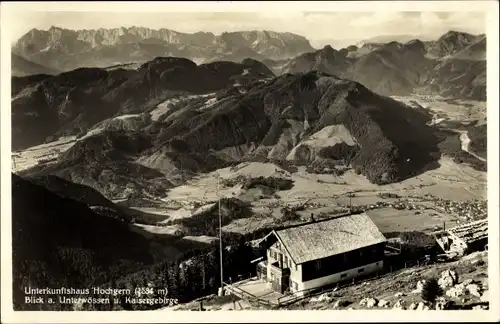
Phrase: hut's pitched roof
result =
(471, 232)
(329, 237)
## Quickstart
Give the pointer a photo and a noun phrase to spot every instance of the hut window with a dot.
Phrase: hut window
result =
(361, 270)
(286, 260)
(344, 275)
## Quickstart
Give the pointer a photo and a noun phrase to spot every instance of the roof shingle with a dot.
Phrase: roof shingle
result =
(471, 232)
(325, 238)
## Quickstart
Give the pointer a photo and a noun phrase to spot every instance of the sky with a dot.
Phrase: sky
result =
(320, 28)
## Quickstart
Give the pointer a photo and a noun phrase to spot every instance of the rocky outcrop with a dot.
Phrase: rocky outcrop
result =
(399, 305)
(413, 306)
(443, 304)
(341, 303)
(422, 306)
(368, 302)
(419, 287)
(326, 297)
(448, 278)
(466, 287)
(384, 303)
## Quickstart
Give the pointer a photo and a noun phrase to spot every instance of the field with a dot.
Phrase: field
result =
(28, 158)
(325, 194)
(392, 220)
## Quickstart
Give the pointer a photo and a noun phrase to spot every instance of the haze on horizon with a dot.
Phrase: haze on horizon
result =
(321, 28)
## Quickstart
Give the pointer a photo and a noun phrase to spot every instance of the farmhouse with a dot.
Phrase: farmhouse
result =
(323, 252)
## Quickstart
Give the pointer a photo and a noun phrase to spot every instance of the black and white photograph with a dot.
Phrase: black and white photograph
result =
(213, 160)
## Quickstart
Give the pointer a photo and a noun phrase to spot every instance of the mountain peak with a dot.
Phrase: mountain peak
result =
(328, 51)
(453, 34)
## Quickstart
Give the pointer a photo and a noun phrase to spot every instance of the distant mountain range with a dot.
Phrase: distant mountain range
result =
(65, 49)
(454, 65)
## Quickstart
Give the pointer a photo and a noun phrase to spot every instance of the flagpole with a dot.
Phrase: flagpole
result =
(220, 240)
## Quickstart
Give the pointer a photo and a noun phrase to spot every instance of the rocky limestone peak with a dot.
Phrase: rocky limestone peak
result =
(328, 53)
(456, 35)
(352, 48)
(415, 44)
(328, 49)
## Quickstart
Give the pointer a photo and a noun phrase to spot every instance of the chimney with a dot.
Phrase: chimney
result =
(312, 217)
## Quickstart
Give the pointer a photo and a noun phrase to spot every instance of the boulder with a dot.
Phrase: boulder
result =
(369, 302)
(443, 304)
(341, 303)
(326, 297)
(474, 290)
(383, 303)
(467, 282)
(420, 285)
(448, 278)
(399, 294)
(422, 306)
(400, 304)
(455, 292)
(412, 306)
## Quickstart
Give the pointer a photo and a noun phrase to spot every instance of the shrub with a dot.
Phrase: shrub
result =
(431, 290)
(417, 239)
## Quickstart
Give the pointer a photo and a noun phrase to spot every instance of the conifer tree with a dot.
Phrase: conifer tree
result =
(431, 290)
